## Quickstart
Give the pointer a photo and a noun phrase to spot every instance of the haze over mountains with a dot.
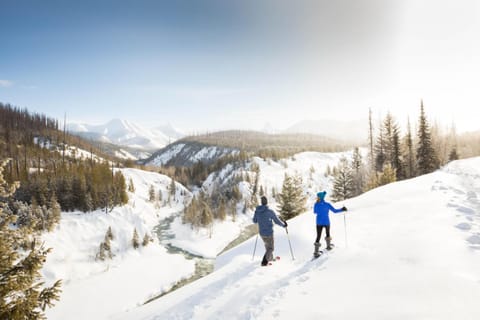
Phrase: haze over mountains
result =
(132, 135)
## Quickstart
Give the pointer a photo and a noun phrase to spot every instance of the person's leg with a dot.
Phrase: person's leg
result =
(328, 238)
(269, 246)
(319, 233)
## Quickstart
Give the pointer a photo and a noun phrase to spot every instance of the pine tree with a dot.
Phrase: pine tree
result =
(426, 158)
(396, 157)
(222, 210)
(109, 233)
(146, 240)
(380, 153)
(387, 176)
(343, 184)
(151, 193)
(409, 154)
(21, 292)
(291, 199)
(131, 186)
(173, 189)
(358, 172)
(453, 155)
(135, 240)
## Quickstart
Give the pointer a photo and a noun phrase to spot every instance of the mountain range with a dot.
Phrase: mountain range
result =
(131, 135)
(128, 134)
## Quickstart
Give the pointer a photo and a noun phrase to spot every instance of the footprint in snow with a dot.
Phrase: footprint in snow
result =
(464, 226)
(475, 239)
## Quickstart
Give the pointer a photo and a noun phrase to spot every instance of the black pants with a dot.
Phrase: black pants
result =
(319, 232)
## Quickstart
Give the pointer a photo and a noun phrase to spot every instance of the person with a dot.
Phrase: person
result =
(265, 217)
(321, 209)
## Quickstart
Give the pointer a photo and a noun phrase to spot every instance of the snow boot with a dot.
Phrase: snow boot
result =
(329, 243)
(316, 253)
(264, 261)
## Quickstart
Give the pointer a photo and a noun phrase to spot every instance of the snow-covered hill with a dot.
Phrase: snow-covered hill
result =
(128, 134)
(134, 276)
(95, 289)
(186, 153)
(408, 250)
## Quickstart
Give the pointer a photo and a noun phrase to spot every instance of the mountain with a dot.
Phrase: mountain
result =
(353, 131)
(208, 148)
(128, 134)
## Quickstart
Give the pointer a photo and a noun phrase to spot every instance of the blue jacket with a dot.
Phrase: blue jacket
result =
(321, 209)
(264, 217)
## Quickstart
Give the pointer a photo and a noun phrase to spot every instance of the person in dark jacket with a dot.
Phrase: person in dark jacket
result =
(321, 209)
(265, 217)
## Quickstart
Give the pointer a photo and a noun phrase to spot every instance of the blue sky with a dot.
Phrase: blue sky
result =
(208, 65)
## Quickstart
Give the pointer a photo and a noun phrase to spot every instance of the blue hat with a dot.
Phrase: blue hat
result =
(322, 195)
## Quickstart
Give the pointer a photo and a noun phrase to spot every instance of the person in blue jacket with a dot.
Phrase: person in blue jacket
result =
(321, 209)
(265, 217)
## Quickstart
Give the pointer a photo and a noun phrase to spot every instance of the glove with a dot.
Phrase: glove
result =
(344, 208)
(286, 224)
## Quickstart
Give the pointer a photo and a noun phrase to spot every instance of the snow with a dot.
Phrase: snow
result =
(132, 276)
(127, 133)
(165, 157)
(407, 250)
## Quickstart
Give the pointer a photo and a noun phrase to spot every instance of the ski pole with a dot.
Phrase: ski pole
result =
(289, 243)
(255, 248)
(345, 225)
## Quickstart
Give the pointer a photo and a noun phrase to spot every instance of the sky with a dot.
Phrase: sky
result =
(211, 65)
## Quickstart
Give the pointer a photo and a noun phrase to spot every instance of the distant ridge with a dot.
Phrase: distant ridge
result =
(128, 134)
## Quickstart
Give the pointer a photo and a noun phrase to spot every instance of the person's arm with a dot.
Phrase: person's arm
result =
(336, 210)
(278, 221)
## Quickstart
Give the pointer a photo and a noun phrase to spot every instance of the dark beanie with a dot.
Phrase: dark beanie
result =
(264, 200)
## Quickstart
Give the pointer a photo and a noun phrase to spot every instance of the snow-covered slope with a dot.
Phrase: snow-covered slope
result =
(408, 250)
(129, 134)
(95, 289)
(188, 153)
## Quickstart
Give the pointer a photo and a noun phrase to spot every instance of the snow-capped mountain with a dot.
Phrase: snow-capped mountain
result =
(128, 134)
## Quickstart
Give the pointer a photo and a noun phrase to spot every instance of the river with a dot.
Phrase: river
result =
(203, 266)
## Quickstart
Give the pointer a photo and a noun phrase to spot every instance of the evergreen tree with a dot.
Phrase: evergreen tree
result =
(387, 176)
(21, 292)
(426, 158)
(358, 172)
(291, 199)
(135, 239)
(109, 234)
(343, 184)
(131, 186)
(380, 156)
(146, 240)
(396, 157)
(222, 210)
(453, 154)
(206, 215)
(409, 154)
(55, 213)
(173, 189)
(151, 193)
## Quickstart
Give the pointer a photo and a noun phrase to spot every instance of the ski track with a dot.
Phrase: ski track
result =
(271, 284)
